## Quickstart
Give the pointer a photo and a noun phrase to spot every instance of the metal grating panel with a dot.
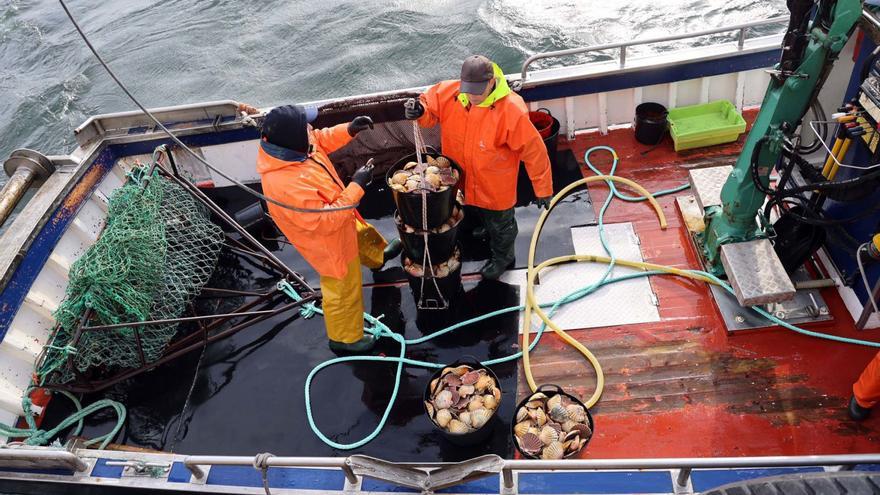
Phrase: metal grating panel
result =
(756, 273)
(707, 183)
(622, 303)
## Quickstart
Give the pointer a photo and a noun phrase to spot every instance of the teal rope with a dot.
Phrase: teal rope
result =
(379, 329)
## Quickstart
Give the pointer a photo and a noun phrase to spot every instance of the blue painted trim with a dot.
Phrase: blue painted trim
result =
(303, 479)
(57, 472)
(32, 263)
(703, 480)
(596, 482)
(867, 467)
(489, 484)
(649, 77)
(179, 473)
(102, 470)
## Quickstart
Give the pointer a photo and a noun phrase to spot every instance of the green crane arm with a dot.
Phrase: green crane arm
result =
(808, 52)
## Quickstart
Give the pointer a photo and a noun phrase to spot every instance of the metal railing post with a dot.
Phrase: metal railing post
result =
(349, 473)
(507, 478)
(622, 56)
(741, 39)
(684, 474)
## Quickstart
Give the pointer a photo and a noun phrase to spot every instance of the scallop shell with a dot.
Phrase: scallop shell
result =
(458, 427)
(398, 187)
(554, 401)
(522, 428)
(466, 390)
(530, 443)
(461, 370)
(538, 396)
(430, 408)
(441, 271)
(442, 162)
(443, 400)
(475, 403)
(452, 380)
(399, 178)
(465, 418)
(539, 416)
(490, 402)
(555, 426)
(568, 425)
(583, 430)
(559, 414)
(443, 418)
(497, 393)
(432, 169)
(548, 435)
(410, 165)
(480, 417)
(484, 382)
(576, 413)
(430, 160)
(411, 185)
(535, 404)
(471, 377)
(433, 180)
(522, 414)
(553, 451)
(434, 383)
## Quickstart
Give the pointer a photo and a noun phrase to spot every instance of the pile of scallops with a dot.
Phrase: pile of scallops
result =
(432, 175)
(463, 399)
(440, 270)
(551, 427)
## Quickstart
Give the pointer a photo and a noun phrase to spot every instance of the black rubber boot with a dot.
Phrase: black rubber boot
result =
(392, 250)
(502, 229)
(366, 344)
(857, 412)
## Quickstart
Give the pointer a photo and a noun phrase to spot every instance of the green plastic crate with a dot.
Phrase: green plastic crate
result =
(708, 124)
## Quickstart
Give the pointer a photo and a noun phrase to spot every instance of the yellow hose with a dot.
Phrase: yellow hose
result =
(840, 156)
(831, 156)
(532, 272)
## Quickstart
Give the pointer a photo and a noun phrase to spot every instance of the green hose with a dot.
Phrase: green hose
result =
(376, 327)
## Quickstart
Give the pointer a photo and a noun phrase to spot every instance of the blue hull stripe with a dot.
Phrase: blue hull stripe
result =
(649, 77)
(304, 479)
(489, 484)
(596, 482)
(703, 480)
(102, 470)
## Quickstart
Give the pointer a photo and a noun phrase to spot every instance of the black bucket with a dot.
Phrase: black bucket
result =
(449, 287)
(409, 205)
(651, 123)
(550, 393)
(479, 435)
(441, 245)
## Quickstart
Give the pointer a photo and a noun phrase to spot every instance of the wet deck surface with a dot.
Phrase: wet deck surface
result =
(247, 395)
(683, 387)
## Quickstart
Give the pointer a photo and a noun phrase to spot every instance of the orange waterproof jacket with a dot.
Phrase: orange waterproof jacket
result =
(327, 241)
(488, 142)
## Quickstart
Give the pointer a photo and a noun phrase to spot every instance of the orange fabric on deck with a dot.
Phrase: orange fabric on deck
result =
(867, 388)
(327, 240)
(488, 143)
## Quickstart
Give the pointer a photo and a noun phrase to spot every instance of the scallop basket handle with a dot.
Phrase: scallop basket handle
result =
(542, 109)
(544, 387)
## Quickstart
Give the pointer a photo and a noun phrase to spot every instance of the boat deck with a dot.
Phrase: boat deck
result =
(683, 386)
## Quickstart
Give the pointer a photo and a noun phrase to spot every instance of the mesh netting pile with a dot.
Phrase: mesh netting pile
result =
(156, 253)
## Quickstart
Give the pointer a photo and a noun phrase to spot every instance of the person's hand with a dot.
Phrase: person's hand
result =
(364, 175)
(544, 202)
(359, 124)
(413, 109)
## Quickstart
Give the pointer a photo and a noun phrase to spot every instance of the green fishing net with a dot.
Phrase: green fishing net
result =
(155, 254)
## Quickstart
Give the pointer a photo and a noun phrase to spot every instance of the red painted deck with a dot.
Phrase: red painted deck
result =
(683, 387)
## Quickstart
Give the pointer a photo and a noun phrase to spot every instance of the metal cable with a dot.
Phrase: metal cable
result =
(180, 143)
(863, 248)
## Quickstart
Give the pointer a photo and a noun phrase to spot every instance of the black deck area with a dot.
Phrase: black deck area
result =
(247, 395)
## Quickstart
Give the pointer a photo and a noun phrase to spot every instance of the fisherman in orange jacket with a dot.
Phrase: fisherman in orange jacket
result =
(486, 129)
(866, 391)
(331, 236)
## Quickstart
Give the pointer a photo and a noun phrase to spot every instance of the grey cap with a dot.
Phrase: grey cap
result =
(476, 72)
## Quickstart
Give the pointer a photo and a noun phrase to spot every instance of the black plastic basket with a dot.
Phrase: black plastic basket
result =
(441, 245)
(550, 393)
(474, 437)
(440, 204)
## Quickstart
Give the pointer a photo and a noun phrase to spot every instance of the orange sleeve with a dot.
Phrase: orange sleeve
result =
(314, 196)
(431, 101)
(331, 139)
(524, 140)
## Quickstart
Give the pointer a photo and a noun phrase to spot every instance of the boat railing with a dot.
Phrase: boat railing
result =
(433, 476)
(624, 45)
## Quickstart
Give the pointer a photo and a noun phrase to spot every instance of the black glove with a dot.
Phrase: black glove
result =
(413, 109)
(544, 202)
(359, 124)
(364, 175)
